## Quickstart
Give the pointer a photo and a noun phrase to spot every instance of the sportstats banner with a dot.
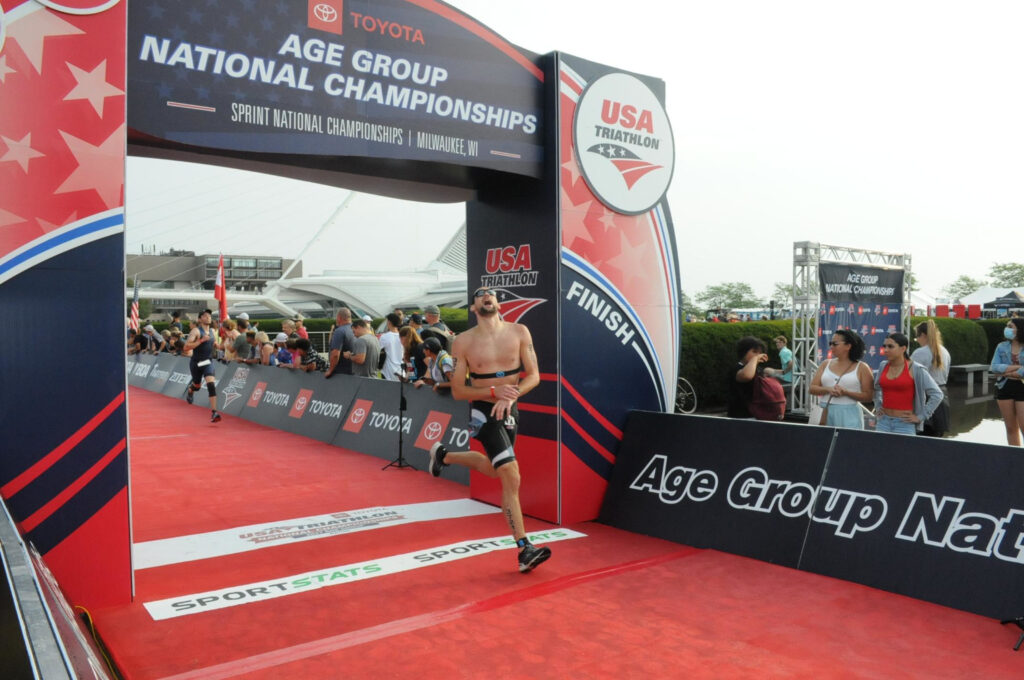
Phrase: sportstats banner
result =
(867, 300)
(375, 78)
(938, 520)
(619, 343)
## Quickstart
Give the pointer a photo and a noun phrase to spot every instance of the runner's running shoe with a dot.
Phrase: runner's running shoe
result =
(214, 417)
(530, 556)
(437, 454)
(188, 394)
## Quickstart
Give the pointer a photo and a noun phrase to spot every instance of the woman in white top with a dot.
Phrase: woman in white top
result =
(935, 357)
(843, 381)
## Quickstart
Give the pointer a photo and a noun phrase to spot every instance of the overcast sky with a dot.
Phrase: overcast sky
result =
(892, 126)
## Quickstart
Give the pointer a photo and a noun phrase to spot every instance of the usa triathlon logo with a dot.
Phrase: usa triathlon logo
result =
(624, 143)
(514, 307)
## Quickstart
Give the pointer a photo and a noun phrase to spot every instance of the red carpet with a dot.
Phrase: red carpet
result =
(609, 604)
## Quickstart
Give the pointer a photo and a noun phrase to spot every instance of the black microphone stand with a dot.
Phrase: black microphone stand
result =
(1019, 622)
(400, 462)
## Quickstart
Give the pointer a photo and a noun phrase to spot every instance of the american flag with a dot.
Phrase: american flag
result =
(133, 321)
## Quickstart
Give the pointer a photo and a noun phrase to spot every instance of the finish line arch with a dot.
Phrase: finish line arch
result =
(563, 164)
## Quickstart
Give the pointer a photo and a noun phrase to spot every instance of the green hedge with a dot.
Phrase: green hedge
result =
(965, 339)
(708, 350)
(994, 334)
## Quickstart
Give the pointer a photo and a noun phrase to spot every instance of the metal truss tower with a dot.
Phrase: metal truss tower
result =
(807, 298)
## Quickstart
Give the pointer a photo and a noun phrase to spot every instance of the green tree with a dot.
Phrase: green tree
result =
(729, 296)
(782, 293)
(1007, 275)
(689, 307)
(963, 286)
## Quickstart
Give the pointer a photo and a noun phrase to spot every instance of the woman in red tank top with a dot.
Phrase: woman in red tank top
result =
(905, 393)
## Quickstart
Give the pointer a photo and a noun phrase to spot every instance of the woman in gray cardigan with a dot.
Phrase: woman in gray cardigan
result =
(905, 393)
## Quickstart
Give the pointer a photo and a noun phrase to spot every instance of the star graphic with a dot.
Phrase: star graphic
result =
(572, 167)
(93, 86)
(50, 226)
(637, 263)
(20, 151)
(36, 27)
(4, 68)
(100, 168)
(9, 218)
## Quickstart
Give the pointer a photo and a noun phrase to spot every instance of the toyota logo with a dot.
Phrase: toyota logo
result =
(325, 13)
(300, 403)
(358, 415)
(256, 394)
(432, 431)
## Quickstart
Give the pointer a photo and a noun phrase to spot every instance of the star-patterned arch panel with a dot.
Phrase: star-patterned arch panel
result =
(64, 472)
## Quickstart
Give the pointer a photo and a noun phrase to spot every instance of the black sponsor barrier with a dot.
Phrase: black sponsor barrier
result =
(941, 521)
(138, 368)
(372, 422)
(160, 372)
(704, 482)
(360, 414)
(306, 404)
(178, 380)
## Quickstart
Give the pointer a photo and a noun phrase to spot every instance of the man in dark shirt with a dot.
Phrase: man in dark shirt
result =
(342, 340)
(750, 355)
(201, 342)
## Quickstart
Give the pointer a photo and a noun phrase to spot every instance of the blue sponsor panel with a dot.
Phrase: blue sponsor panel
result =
(64, 421)
(380, 79)
(741, 486)
(607, 363)
(866, 300)
(938, 520)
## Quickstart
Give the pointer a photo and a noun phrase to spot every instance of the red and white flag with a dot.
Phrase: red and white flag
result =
(133, 319)
(220, 290)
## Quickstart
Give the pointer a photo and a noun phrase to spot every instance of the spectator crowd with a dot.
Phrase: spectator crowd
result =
(410, 347)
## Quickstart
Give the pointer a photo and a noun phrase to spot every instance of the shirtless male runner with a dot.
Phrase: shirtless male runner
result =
(502, 366)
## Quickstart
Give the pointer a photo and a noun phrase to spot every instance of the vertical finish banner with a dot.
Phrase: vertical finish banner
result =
(64, 468)
(619, 296)
(866, 300)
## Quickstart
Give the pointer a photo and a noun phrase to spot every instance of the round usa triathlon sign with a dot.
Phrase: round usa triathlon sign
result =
(624, 143)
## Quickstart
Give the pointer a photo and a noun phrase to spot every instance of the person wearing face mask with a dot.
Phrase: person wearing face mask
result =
(906, 395)
(1006, 364)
